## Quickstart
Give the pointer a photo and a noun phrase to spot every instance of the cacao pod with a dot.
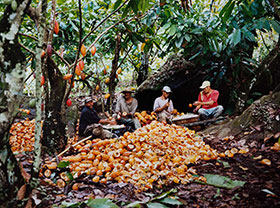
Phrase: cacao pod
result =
(49, 50)
(69, 102)
(42, 80)
(67, 76)
(83, 76)
(56, 27)
(81, 65)
(83, 50)
(78, 70)
(93, 50)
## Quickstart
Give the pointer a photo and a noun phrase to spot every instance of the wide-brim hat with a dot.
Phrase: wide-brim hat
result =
(128, 89)
(205, 84)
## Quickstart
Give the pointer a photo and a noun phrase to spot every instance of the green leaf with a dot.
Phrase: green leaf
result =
(172, 30)
(136, 204)
(144, 5)
(276, 25)
(163, 195)
(226, 164)
(139, 37)
(117, 4)
(134, 5)
(235, 37)
(187, 37)
(195, 55)
(179, 42)
(228, 12)
(70, 176)
(63, 164)
(101, 203)
(225, 8)
(246, 10)
(250, 36)
(71, 204)
(171, 201)
(167, 25)
(156, 205)
(222, 181)
(157, 45)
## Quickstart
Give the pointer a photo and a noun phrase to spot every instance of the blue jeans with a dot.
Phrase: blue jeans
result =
(212, 112)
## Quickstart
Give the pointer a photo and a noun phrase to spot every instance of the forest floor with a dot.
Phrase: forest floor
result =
(261, 188)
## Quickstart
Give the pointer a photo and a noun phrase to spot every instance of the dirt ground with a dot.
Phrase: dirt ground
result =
(262, 187)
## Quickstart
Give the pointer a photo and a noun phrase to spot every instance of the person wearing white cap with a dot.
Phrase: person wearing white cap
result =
(207, 104)
(163, 106)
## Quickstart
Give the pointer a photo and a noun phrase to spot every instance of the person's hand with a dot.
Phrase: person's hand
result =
(195, 110)
(196, 103)
(113, 122)
(166, 105)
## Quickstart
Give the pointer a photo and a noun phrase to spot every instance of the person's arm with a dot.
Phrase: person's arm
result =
(171, 107)
(134, 107)
(157, 107)
(197, 103)
(107, 121)
(118, 106)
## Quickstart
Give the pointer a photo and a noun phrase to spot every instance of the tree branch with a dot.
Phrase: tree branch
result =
(27, 49)
(264, 41)
(125, 56)
(33, 14)
(274, 5)
(68, 90)
(102, 21)
(29, 36)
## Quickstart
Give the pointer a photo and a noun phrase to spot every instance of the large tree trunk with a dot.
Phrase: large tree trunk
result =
(143, 70)
(112, 83)
(12, 65)
(54, 138)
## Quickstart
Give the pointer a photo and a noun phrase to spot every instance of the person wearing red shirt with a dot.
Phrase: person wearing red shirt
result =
(207, 104)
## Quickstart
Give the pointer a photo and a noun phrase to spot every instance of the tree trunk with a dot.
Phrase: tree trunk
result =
(12, 69)
(143, 70)
(113, 83)
(54, 138)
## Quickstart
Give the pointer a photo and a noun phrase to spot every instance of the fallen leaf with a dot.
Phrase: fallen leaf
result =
(243, 168)
(222, 181)
(258, 157)
(21, 192)
(29, 203)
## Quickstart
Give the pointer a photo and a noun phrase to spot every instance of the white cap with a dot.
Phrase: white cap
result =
(166, 89)
(205, 84)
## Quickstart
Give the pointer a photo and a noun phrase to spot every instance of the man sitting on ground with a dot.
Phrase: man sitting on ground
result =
(163, 106)
(125, 109)
(207, 104)
(89, 121)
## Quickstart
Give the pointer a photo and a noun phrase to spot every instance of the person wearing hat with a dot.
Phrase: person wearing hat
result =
(126, 107)
(163, 106)
(89, 116)
(207, 104)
